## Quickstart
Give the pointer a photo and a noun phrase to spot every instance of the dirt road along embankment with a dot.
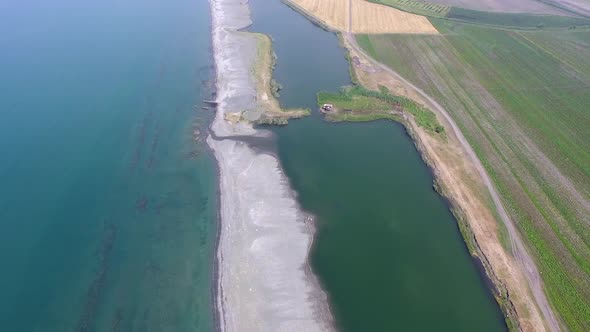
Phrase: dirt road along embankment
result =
(525, 306)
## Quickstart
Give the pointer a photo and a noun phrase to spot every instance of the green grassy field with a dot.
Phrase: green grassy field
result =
(417, 7)
(372, 105)
(522, 21)
(508, 20)
(522, 99)
(349, 98)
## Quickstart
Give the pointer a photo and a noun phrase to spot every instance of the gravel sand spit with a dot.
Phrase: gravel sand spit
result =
(264, 282)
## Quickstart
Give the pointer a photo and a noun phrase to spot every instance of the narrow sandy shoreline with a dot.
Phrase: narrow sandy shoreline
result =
(263, 279)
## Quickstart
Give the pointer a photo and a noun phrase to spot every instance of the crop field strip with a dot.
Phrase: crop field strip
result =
(417, 7)
(333, 13)
(575, 7)
(521, 99)
(513, 20)
(366, 17)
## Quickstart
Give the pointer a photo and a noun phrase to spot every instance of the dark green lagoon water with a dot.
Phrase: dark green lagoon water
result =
(107, 204)
(387, 248)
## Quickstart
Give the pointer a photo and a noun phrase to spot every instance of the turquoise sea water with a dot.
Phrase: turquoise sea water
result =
(107, 203)
(387, 249)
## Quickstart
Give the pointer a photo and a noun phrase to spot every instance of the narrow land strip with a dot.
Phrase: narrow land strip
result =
(264, 282)
(266, 109)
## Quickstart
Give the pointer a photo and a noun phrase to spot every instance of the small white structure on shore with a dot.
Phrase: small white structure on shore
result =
(327, 107)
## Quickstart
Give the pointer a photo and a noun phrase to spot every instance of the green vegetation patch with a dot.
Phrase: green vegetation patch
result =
(369, 105)
(417, 7)
(350, 98)
(507, 20)
(521, 21)
(365, 43)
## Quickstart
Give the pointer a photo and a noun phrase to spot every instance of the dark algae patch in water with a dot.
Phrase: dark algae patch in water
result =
(108, 193)
(387, 249)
